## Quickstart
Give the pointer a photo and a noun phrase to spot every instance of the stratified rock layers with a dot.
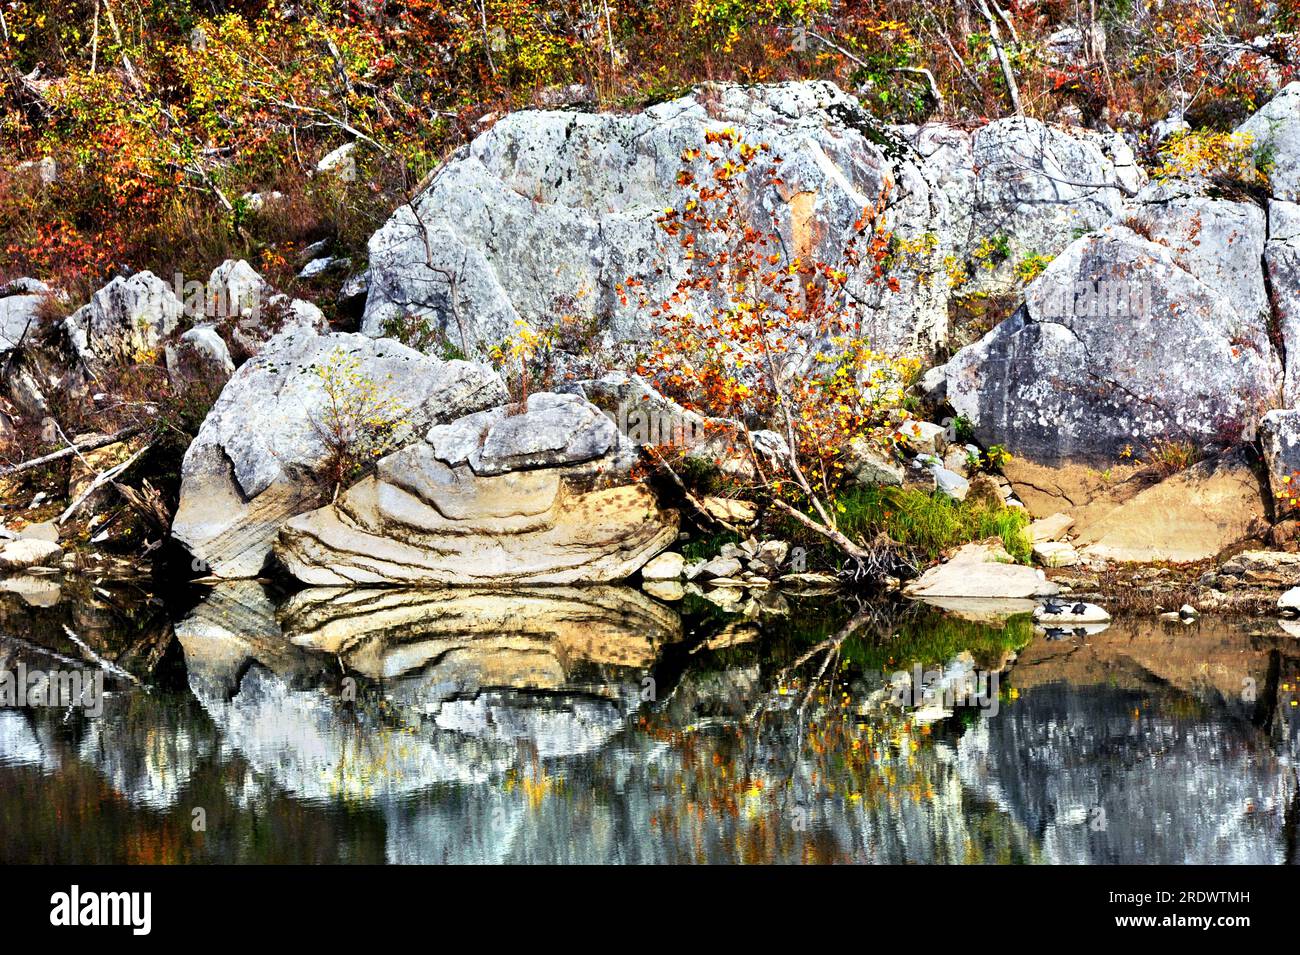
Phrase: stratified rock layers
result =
(446, 510)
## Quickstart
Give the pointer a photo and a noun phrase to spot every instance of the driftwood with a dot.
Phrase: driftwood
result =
(90, 444)
(104, 477)
(149, 504)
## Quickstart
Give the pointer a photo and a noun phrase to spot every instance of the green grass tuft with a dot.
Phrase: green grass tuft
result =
(930, 523)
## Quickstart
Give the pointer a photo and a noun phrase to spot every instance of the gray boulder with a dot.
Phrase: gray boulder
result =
(868, 464)
(1276, 132)
(252, 310)
(552, 211)
(259, 455)
(19, 314)
(1282, 262)
(1220, 241)
(200, 354)
(1279, 439)
(124, 321)
(1117, 344)
(553, 430)
(1034, 188)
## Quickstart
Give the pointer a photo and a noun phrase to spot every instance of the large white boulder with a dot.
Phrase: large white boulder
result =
(1276, 132)
(259, 455)
(551, 211)
(1118, 344)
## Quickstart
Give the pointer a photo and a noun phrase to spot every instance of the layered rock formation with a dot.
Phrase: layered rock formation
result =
(539, 496)
(259, 456)
(532, 638)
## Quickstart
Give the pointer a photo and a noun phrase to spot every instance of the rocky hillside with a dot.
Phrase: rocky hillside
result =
(1086, 332)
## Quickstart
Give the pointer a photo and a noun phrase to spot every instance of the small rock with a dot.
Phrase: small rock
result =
(23, 554)
(809, 581)
(957, 461)
(1289, 602)
(340, 163)
(983, 490)
(1050, 528)
(730, 510)
(771, 554)
(352, 294)
(950, 483)
(922, 436)
(720, 567)
(316, 266)
(1055, 554)
(44, 531)
(256, 201)
(869, 465)
(667, 590)
(666, 566)
(315, 251)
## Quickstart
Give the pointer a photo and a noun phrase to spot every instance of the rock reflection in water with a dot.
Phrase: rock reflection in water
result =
(591, 724)
(378, 693)
(1183, 757)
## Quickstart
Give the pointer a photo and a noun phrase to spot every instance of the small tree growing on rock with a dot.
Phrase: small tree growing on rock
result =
(781, 343)
(360, 420)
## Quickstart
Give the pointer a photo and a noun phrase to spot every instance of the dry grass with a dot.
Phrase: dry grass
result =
(1167, 456)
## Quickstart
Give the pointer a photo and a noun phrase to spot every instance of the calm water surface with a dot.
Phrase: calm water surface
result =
(599, 725)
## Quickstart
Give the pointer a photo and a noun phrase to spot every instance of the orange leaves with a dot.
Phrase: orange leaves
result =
(753, 332)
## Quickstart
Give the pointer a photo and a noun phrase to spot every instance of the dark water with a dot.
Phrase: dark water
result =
(580, 725)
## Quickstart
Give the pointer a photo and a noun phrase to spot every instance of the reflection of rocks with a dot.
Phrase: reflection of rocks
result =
(43, 591)
(1136, 746)
(443, 654)
(383, 633)
(21, 746)
(467, 676)
(232, 625)
(490, 726)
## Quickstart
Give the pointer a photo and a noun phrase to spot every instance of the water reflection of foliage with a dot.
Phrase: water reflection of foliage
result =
(887, 635)
(800, 773)
(933, 637)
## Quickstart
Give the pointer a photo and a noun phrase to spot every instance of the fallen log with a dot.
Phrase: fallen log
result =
(90, 444)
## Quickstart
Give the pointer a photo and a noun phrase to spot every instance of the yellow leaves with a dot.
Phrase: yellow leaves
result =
(1205, 153)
